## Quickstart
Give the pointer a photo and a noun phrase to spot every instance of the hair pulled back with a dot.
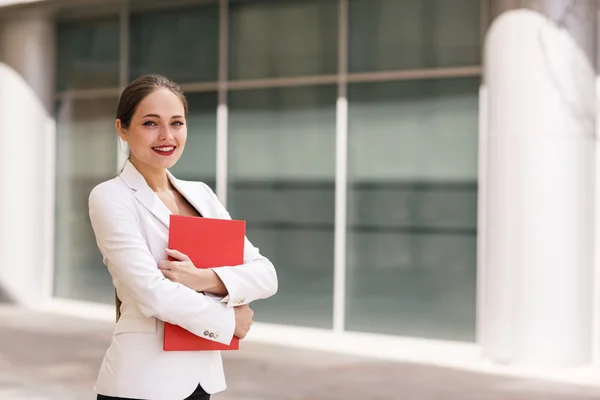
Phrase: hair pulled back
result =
(141, 87)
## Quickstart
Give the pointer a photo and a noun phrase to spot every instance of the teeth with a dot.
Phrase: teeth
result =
(164, 148)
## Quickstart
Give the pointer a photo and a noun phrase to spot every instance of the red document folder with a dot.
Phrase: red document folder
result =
(209, 243)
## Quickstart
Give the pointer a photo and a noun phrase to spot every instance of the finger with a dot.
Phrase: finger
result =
(170, 275)
(167, 264)
(164, 264)
(165, 273)
(176, 264)
(178, 255)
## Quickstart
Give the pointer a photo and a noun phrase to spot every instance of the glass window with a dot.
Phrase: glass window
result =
(271, 39)
(182, 44)
(281, 180)
(413, 34)
(88, 54)
(86, 156)
(199, 159)
(412, 208)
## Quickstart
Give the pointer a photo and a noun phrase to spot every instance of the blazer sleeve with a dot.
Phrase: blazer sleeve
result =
(116, 227)
(255, 279)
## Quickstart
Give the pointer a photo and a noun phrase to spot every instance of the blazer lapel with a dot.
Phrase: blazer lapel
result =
(155, 205)
(189, 192)
(144, 194)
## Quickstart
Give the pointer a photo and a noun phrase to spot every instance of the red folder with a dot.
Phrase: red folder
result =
(209, 243)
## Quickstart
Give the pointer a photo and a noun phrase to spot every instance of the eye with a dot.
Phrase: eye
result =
(149, 123)
(178, 123)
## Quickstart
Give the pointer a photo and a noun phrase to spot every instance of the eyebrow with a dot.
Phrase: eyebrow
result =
(158, 116)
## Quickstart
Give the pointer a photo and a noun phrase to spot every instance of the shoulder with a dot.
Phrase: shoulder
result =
(109, 192)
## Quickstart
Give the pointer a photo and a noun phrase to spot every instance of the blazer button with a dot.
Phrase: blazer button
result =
(211, 335)
(216, 335)
(206, 333)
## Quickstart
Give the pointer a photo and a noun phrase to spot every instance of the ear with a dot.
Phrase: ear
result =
(121, 130)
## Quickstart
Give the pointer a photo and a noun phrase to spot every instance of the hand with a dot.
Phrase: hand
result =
(182, 270)
(243, 320)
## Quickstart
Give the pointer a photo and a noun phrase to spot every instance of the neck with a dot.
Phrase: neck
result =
(156, 178)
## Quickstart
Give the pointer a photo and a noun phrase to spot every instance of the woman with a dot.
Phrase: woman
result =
(130, 218)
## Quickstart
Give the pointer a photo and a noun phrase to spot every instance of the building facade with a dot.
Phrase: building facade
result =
(415, 169)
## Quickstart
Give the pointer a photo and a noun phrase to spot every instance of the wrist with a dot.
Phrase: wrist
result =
(201, 281)
(214, 283)
(207, 281)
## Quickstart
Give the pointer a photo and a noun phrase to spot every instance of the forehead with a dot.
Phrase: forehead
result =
(162, 102)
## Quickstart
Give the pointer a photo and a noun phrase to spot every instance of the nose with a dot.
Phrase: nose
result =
(164, 133)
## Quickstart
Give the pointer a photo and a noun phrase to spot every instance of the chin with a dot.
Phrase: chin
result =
(164, 162)
(170, 163)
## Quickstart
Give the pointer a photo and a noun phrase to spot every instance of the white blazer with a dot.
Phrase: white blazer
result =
(131, 226)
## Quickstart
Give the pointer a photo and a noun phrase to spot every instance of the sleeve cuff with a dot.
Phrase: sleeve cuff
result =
(228, 330)
(233, 298)
(224, 330)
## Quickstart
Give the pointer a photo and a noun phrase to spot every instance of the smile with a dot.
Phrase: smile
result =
(164, 150)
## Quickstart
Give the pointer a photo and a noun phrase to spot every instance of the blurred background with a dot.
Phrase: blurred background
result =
(420, 172)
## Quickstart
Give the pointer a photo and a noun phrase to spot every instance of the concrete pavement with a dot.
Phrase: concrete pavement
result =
(51, 357)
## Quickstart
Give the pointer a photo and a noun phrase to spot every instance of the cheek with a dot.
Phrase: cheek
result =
(181, 137)
(140, 139)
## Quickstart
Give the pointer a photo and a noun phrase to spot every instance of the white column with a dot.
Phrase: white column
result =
(538, 262)
(26, 156)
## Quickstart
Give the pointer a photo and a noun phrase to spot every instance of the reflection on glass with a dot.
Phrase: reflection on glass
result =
(88, 54)
(413, 34)
(199, 159)
(412, 202)
(86, 156)
(281, 180)
(181, 44)
(271, 39)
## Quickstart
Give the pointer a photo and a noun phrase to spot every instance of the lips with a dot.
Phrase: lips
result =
(164, 150)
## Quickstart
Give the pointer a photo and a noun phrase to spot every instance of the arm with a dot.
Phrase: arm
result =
(114, 221)
(254, 280)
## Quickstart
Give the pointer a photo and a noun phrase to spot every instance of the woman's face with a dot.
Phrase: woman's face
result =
(158, 130)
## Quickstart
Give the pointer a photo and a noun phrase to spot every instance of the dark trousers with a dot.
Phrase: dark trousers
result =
(199, 394)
